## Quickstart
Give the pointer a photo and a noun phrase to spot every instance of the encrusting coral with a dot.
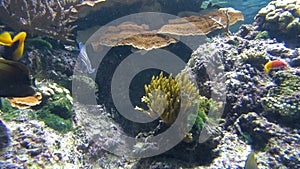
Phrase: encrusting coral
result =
(254, 57)
(280, 18)
(40, 17)
(55, 109)
(202, 25)
(284, 97)
(57, 112)
(26, 102)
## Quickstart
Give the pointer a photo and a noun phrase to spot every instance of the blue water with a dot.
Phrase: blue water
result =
(249, 8)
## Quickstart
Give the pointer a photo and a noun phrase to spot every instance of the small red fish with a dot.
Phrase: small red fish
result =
(275, 64)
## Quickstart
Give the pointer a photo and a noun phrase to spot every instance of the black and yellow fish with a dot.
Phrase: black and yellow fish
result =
(14, 76)
(14, 79)
(12, 48)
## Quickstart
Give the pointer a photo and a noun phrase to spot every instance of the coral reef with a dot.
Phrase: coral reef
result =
(41, 17)
(280, 18)
(103, 135)
(261, 109)
(57, 110)
(202, 25)
(255, 58)
(249, 7)
(4, 136)
(143, 36)
(54, 64)
(132, 34)
(33, 145)
(237, 75)
(243, 61)
(163, 96)
(26, 102)
(104, 12)
(231, 152)
(278, 146)
(283, 97)
(175, 99)
(248, 88)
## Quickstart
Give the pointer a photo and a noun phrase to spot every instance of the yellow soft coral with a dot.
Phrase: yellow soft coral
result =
(167, 97)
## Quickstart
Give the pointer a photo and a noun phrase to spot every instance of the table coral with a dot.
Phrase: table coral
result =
(203, 25)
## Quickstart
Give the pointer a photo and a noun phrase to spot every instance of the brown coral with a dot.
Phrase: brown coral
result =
(202, 25)
(148, 41)
(40, 17)
(26, 102)
(88, 6)
(140, 36)
(132, 34)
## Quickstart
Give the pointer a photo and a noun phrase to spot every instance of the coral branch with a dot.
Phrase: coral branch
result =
(40, 17)
(226, 26)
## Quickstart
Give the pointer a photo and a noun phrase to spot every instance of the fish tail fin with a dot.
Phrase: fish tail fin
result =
(267, 70)
(20, 49)
(5, 39)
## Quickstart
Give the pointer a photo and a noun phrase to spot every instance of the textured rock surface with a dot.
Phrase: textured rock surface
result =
(283, 99)
(33, 145)
(281, 19)
(242, 62)
(277, 146)
(4, 136)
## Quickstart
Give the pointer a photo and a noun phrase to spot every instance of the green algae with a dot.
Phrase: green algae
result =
(39, 43)
(57, 115)
(262, 35)
(284, 97)
(55, 110)
(204, 105)
(255, 58)
(8, 112)
(171, 97)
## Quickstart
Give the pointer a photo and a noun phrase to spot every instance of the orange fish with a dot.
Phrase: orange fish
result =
(275, 64)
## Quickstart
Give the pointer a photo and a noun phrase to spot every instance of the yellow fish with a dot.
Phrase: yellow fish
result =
(275, 64)
(251, 162)
(12, 48)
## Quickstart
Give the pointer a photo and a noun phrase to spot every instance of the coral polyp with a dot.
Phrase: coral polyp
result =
(164, 96)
